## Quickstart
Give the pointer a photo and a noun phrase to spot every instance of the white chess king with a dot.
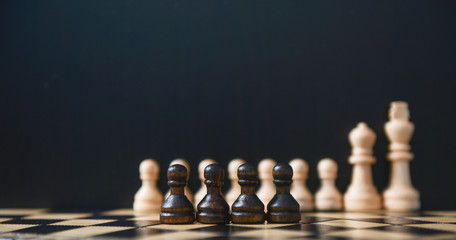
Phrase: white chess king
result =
(400, 195)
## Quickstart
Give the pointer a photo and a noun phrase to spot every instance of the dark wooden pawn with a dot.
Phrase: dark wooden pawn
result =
(213, 207)
(247, 208)
(283, 208)
(177, 208)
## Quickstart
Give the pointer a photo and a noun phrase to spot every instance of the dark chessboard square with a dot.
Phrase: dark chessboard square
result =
(224, 230)
(307, 219)
(391, 220)
(46, 229)
(411, 230)
(134, 233)
(118, 217)
(316, 229)
(30, 221)
(130, 223)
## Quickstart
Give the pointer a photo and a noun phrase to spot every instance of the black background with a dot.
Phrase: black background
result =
(91, 88)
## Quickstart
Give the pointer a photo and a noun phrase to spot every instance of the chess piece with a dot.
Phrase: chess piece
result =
(299, 189)
(233, 193)
(247, 208)
(267, 188)
(362, 194)
(199, 195)
(328, 197)
(184, 163)
(400, 195)
(177, 208)
(213, 208)
(148, 198)
(283, 208)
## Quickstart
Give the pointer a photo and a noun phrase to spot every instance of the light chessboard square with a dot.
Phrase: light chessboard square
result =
(83, 222)
(4, 219)
(264, 225)
(87, 231)
(21, 211)
(371, 234)
(272, 234)
(435, 219)
(14, 227)
(181, 235)
(435, 226)
(352, 224)
(58, 216)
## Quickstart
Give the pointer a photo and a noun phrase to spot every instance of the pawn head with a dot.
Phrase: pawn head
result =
(300, 169)
(182, 162)
(214, 172)
(265, 168)
(203, 165)
(177, 173)
(233, 167)
(327, 168)
(247, 172)
(282, 172)
(149, 170)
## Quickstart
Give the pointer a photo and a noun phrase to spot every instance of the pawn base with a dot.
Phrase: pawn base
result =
(177, 218)
(283, 217)
(248, 217)
(214, 218)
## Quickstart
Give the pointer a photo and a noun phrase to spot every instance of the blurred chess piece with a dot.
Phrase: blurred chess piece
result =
(235, 189)
(267, 189)
(187, 190)
(400, 195)
(299, 189)
(148, 198)
(362, 194)
(328, 196)
(199, 195)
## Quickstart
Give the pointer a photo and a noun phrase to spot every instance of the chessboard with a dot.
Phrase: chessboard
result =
(125, 224)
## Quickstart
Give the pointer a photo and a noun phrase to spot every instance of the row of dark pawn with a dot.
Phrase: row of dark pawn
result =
(247, 209)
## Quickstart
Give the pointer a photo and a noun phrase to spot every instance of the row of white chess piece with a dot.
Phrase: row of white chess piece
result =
(361, 194)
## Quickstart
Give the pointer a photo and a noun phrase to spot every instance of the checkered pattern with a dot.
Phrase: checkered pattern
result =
(125, 224)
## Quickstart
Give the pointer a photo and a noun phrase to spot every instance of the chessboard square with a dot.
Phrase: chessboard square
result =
(223, 229)
(272, 234)
(46, 229)
(4, 219)
(316, 229)
(180, 227)
(136, 233)
(59, 216)
(352, 224)
(442, 213)
(308, 219)
(391, 220)
(88, 231)
(21, 211)
(30, 221)
(371, 234)
(435, 219)
(408, 229)
(264, 225)
(151, 217)
(436, 226)
(128, 223)
(83, 222)
(181, 235)
(13, 227)
(344, 215)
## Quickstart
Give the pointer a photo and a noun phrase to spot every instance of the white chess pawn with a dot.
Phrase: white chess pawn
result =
(148, 198)
(400, 194)
(328, 196)
(187, 190)
(235, 189)
(362, 194)
(299, 189)
(267, 189)
(199, 195)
